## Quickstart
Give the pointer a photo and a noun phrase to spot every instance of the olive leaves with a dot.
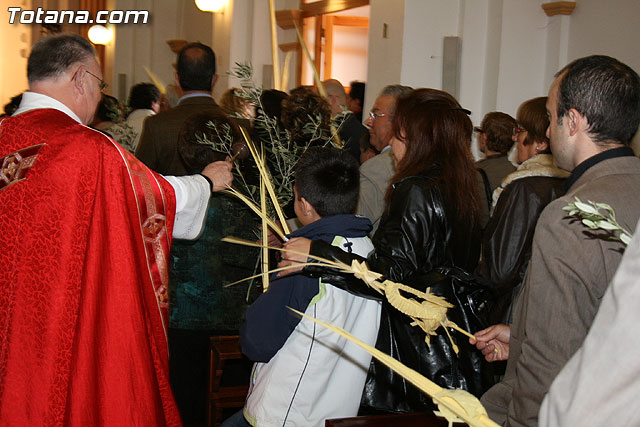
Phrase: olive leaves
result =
(590, 214)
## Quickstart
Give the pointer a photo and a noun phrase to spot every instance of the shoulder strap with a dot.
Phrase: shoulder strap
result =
(487, 187)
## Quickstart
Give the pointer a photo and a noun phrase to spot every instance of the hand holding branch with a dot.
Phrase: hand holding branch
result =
(220, 174)
(297, 252)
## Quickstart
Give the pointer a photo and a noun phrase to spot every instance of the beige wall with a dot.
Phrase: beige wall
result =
(15, 43)
(138, 45)
(384, 53)
(510, 48)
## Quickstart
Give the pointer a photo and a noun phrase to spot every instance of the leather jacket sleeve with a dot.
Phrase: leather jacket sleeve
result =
(406, 242)
(345, 281)
(507, 240)
(403, 244)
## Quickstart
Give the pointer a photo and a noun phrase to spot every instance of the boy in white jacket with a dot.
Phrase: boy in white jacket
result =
(304, 373)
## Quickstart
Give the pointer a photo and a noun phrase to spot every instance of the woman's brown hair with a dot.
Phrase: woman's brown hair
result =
(498, 128)
(436, 130)
(532, 116)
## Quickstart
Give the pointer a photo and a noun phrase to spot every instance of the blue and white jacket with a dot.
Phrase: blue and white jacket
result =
(306, 373)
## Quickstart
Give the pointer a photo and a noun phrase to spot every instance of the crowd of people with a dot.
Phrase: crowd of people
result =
(113, 271)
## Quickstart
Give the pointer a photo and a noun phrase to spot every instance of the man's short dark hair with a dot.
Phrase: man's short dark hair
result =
(196, 67)
(357, 91)
(143, 95)
(52, 56)
(606, 92)
(329, 179)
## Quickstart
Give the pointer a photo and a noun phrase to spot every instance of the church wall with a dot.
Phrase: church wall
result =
(510, 48)
(384, 53)
(138, 45)
(426, 23)
(522, 53)
(15, 44)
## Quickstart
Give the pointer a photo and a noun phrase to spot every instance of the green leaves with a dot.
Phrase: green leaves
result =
(606, 225)
(585, 208)
(591, 216)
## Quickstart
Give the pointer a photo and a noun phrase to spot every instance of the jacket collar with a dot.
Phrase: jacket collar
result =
(579, 170)
(197, 98)
(538, 165)
(337, 225)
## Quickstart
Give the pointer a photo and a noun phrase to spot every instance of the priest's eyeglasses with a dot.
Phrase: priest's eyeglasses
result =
(103, 85)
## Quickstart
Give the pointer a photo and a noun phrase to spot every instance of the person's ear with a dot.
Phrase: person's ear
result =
(577, 122)
(177, 79)
(307, 209)
(78, 80)
(542, 146)
(214, 79)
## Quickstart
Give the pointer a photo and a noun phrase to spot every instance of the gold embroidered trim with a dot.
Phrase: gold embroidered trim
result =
(16, 165)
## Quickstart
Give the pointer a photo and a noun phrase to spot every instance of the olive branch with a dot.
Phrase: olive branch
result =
(590, 214)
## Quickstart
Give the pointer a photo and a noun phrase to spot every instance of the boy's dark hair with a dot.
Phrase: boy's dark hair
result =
(143, 95)
(196, 67)
(52, 56)
(606, 92)
(329, 179)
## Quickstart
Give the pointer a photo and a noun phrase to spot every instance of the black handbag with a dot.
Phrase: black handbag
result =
(389, 392)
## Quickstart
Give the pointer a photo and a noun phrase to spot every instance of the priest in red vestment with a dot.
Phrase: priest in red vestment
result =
(86, 230)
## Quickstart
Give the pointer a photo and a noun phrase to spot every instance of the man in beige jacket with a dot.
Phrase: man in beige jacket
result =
(594, 111)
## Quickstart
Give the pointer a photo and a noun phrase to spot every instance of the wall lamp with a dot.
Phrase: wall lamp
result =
(215, 6)
(99, 34)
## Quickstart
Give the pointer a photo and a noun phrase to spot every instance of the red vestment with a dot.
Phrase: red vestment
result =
(85, 231)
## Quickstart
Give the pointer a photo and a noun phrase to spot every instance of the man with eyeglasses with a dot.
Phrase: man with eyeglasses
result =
(86, 232)
(376, 173)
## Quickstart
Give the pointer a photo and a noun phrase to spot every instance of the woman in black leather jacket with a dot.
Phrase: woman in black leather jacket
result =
(517, 205)
(432, 224)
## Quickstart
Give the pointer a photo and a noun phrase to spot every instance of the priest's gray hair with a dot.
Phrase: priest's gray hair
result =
(52, 56)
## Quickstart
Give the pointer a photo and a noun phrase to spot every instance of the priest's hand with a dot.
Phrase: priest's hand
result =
(220, 174)
(493, 342)
(296, 252)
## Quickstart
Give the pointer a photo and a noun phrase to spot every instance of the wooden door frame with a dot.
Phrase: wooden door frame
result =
(324, 24)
